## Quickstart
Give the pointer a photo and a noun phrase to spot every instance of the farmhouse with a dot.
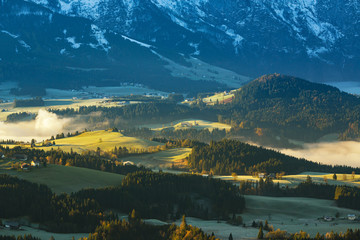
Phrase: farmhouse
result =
(25, 166)
(128, 163)
(12, 225)
(262, 175)
(2, 155)
(186, 124)
(328, 219)
(352, 217)
(35, 163)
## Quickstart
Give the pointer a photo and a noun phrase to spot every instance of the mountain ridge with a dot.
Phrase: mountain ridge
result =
(317, 40)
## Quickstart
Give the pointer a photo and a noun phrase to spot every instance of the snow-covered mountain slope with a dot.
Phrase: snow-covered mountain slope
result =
(315, 39)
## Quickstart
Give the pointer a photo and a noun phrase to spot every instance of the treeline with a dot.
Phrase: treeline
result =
(25, 237)
(136, 229)
(57, 213)
(17, 117)
(168, 196)
(33, 102)
(90, 159)
(231, 156)
(344, 196)
(284, 235)
(135, 114)
(152, 195)
(203, 135)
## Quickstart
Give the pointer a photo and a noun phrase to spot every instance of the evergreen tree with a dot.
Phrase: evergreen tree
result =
(231, 237)
(334, 176)
(261, 233)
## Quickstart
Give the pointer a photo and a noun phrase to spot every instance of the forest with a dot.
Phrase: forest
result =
(33, 102)
(168, 196)
(232, 156)
(57, 213)
(344, 196)
(153, 195)
(298, 107)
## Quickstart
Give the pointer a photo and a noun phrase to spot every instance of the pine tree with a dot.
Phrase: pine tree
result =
(183, 223)
(231, 237)
(334, 176)
(261, 233)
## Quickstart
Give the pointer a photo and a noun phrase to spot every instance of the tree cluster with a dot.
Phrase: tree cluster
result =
(228, 156)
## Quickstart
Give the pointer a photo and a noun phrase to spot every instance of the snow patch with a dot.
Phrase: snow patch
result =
(65, 7)
(20, 41)
(43, 2)
(63, 51)
(24, 45)
(100, 38)
(10, 34)
(314, 53)
(137, 42)
(196, 47)
(72, 41)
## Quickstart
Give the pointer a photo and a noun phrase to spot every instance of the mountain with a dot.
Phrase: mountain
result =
(294, 108)
(313, 39)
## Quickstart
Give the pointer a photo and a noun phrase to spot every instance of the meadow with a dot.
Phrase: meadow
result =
(65, 179)
(104, 139)
(188, 123)
(162, 159)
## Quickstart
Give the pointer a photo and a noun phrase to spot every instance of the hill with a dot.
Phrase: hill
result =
(105, 140)
(230, 156)
(295, 108)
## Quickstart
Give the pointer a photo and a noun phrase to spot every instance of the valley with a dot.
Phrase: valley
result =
(172, 119)
(103, 148)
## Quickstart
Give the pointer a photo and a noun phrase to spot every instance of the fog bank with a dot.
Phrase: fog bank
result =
(43, 127)
(334, 153)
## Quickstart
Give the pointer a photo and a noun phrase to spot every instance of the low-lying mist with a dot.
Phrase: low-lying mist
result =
(333, 153)
(43, 127)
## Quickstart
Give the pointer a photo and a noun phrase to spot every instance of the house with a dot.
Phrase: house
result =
(2, 155)
(35, 163)
(128, 163)
(12, 225)
(262, 175)
(186, 124)
(328, 219)
(21, 157)
(352, 217)
(25, 166)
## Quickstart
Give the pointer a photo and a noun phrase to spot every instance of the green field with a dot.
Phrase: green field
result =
(219, 97)
(67, 179)
(163, 159)
(189, 123)
(106, 140)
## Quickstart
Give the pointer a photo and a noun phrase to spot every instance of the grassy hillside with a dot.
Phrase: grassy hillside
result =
(163, 159)
(104, 139)
(295, 214)
(68, 179)
(197, 124)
